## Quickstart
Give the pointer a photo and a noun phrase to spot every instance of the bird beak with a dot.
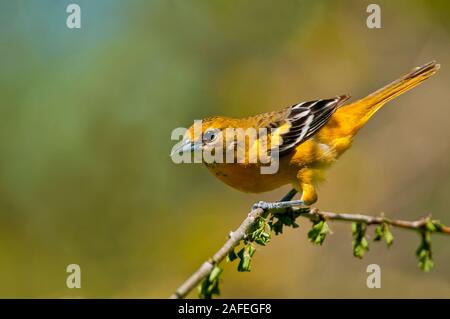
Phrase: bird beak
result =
(186, 146)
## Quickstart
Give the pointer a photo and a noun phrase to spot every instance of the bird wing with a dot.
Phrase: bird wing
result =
(297, 123)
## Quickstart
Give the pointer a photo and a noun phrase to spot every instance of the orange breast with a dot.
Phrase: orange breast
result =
(248, 178)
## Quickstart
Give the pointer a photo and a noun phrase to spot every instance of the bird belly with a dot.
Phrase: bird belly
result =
(248, 178)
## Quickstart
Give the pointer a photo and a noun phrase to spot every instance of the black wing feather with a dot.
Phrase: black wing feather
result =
(306, 119)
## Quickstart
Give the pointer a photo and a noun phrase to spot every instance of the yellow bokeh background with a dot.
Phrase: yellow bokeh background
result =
(85, 123)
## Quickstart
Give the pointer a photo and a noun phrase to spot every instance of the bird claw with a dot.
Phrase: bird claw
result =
(277, 205)
(263, 205)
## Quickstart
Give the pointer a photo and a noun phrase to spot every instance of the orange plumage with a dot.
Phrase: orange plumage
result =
(310, 136)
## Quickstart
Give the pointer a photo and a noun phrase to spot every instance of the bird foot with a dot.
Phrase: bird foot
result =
(277, 205)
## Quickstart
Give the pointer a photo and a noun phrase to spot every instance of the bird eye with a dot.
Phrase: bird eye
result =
(210, 136)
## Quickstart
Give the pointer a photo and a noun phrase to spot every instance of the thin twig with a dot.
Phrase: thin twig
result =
(312, 214)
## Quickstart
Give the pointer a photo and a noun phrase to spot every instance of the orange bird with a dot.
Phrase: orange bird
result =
(309, 137)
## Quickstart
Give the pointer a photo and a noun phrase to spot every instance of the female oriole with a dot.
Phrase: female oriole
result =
(309, 136)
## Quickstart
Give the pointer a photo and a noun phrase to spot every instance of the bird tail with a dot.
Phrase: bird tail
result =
(361, 111)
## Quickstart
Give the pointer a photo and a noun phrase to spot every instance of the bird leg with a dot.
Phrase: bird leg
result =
(290, 195)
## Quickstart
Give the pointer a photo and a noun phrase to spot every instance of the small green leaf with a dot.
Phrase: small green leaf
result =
(439, 226)
(434, 226)
(354, 227)
(430, 226)
(383, 232)
(287, 218)
(360, 243)
(231, 256)
(379, 233)
(245, 255)
(424, 253)
(210, 285)
(215, 273)
(263, 238)
(258, 232)
(388, 237)
(318, 232)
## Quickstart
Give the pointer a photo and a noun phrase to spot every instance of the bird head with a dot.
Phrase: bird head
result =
(205, 135)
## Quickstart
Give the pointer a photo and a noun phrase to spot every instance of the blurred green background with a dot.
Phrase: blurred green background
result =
(85, 123)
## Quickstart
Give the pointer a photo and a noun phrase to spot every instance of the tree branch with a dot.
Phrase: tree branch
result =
(314, 215)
